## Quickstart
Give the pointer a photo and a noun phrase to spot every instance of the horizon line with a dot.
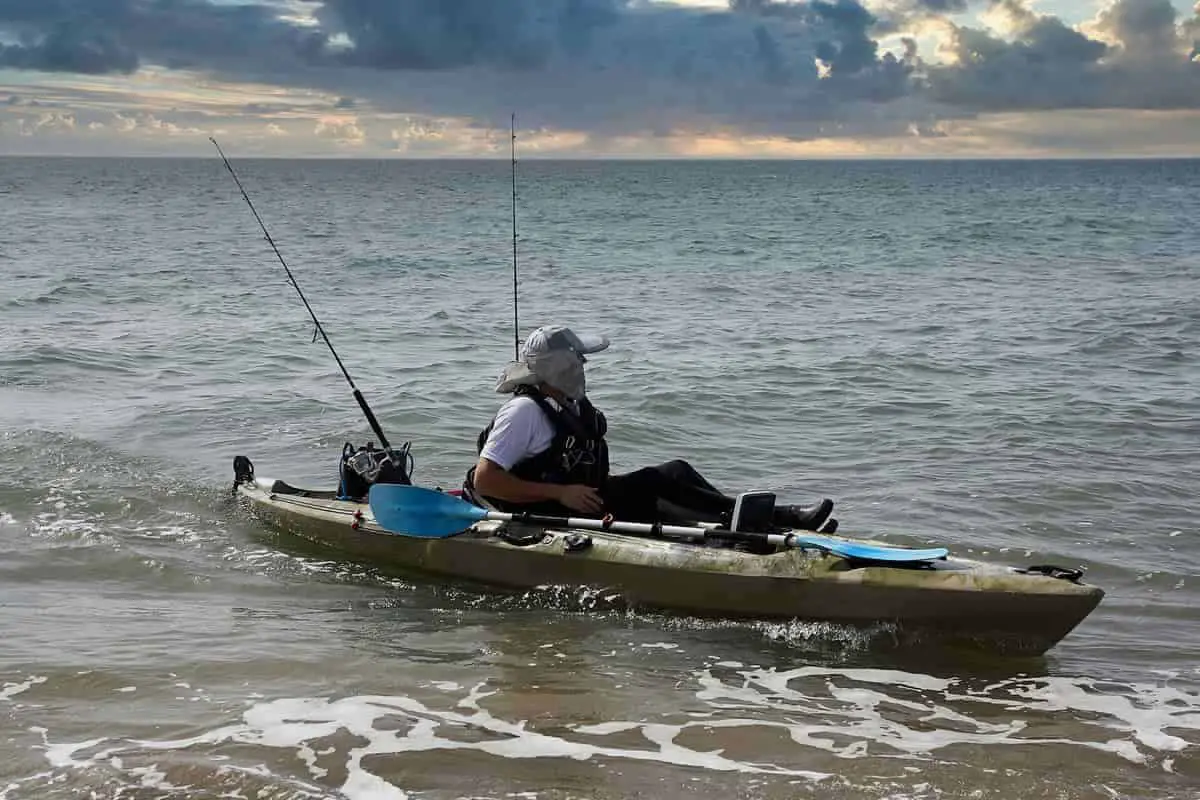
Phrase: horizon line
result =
(505, 157)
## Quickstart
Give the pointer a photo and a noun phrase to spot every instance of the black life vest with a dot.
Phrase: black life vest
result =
(577, 454)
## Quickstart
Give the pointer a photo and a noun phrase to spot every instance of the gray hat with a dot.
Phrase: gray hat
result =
(559, 337)
(542, 360)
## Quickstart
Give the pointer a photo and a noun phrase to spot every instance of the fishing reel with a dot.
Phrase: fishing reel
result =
(363, 467)
(367, 461)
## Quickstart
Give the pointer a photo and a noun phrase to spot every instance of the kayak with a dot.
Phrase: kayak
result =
(1018, 610)
(793, 576)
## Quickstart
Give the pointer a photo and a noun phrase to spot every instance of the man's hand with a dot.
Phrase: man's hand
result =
(581, 498)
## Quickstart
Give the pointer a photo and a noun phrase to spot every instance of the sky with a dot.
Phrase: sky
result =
(601, 78)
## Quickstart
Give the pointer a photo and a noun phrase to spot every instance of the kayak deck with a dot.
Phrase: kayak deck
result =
(1003, 607)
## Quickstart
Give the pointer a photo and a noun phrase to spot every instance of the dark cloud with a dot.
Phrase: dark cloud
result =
(1048, 65)
(935, 7)
(421, 35)
(850, 49)
(1143, 27)
(67, 36)
(842, 28)
(35, 12)
(796, 68)
(68, 47)
(612, 67)
(98, 36)
(198, 34)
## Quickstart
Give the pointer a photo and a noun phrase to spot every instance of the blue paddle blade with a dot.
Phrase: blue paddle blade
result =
(867, 552)
(420, 512)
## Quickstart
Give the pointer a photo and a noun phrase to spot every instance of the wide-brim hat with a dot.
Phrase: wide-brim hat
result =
(559, 337)
(542, 342)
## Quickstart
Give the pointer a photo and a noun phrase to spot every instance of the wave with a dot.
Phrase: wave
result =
(863, 732)
(81, 357)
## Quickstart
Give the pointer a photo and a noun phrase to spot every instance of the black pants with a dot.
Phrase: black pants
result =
(673, 492)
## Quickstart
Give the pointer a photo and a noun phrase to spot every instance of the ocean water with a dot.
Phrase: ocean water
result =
(1001, 357)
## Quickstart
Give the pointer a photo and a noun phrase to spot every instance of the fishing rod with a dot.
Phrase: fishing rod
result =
(516, 327)
(362, 403)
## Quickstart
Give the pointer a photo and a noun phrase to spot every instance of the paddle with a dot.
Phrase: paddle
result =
(429, 514)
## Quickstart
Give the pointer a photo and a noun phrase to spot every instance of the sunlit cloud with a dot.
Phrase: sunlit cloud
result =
(342, 130)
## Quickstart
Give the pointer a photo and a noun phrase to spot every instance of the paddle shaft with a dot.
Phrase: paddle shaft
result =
(645, 528)
(432, 514)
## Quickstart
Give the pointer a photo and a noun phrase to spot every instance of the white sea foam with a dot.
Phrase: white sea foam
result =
(295, 724)
(1145, 716)
(10, 690)
(858, 703)
(79, 530)
(911, 719)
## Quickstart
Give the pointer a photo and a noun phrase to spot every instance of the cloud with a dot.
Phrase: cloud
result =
(67, 48)
(48, 122)
(637, 66)
(445, 34)
(1136, 60)
(124, 124)
(116, 36)
(621, 69)
(146, 124)
(417, 136)
(1191, 29)
(1142, 29)
(1101, 132)
(1046, 65)
(609, 70)
(343, 130)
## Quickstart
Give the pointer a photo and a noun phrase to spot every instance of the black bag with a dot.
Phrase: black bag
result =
(366, 466)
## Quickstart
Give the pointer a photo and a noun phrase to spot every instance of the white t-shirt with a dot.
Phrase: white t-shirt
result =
(521, 430)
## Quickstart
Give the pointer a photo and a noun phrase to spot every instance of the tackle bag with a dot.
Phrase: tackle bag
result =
(363, 467)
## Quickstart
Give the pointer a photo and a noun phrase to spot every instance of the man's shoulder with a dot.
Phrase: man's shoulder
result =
(520, 404)
(520, 430)
(522, 408)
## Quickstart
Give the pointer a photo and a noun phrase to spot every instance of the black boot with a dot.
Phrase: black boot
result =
(805, 518)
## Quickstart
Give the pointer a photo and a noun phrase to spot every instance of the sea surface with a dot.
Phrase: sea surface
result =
(999, 357)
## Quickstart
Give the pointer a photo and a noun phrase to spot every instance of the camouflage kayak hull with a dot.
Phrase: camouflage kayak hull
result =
(1006, 608)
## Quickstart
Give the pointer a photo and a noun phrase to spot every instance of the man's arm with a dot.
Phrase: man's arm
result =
(492, 480)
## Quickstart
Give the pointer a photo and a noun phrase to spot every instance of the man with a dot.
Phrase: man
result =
(545, 452)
